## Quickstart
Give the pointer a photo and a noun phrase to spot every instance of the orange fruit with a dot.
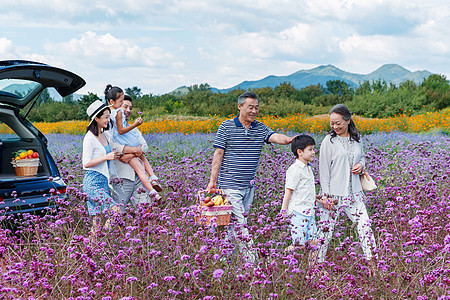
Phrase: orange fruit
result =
(17, 157)
(23, 155)
(29, 152)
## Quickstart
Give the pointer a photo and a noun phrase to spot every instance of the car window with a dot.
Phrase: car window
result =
(17, 88)
(6, 133)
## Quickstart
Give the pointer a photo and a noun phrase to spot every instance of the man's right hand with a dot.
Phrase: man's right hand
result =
(211, 188)
(127, 157)
(138, 150)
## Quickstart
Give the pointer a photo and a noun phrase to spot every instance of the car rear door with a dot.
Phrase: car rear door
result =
(21, 81)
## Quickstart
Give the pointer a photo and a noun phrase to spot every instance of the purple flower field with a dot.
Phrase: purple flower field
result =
(165, 255)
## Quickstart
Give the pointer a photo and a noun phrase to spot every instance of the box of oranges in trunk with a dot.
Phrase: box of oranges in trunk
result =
(26, 162)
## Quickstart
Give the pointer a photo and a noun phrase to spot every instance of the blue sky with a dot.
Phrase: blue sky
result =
(159, 45)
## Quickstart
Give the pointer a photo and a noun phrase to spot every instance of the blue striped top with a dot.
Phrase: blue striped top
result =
(242, 152)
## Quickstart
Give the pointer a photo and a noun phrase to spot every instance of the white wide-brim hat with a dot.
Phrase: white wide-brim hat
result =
(93, 109)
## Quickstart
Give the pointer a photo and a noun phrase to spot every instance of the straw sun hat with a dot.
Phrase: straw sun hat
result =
(93, 109)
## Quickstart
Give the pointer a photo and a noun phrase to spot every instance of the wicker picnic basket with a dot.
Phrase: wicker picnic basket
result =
(204, 214)
(26, 167)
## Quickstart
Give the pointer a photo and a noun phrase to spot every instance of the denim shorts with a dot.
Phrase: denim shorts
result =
(303, 228)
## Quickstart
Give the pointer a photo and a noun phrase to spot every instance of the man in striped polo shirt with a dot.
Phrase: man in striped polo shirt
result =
(238, 144)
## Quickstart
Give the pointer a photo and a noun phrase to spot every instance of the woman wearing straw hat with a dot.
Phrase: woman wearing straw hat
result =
(97, 153)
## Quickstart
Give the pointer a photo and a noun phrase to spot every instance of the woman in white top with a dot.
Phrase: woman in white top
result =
(341, 161)
(96, 156)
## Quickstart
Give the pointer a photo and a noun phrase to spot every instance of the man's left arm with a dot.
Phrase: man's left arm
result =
(143, 142)
(281, 139)
(123, 149)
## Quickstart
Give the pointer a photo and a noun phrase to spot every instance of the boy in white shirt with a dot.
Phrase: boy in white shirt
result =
(300, 194)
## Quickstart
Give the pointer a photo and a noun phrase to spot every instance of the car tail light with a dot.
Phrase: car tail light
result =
(58, 191)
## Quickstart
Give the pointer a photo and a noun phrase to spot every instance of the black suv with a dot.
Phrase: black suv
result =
(21, 84)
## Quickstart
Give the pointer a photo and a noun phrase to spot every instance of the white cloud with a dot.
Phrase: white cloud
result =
(368, 46)
(108, 51)
(6, 48)
(301, 41)
(160, 44)
(351, 9)
(10, 51)
(363, 54)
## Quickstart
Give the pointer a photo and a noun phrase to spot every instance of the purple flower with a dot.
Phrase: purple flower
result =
(152, 285)
(415, 192)
(169, 278)
(217, 273)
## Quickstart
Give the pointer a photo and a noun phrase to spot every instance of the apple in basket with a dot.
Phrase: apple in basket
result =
(25, 154)
(208, 202)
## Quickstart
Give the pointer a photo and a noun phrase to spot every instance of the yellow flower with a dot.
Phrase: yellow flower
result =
(294, 122)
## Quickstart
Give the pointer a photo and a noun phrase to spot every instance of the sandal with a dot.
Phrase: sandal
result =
(108, 225)
(156, 185)
(155, 196)
(290, 248)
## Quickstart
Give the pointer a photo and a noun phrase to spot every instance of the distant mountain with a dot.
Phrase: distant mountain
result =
(300, 79)
(182, 90)
(396, 74)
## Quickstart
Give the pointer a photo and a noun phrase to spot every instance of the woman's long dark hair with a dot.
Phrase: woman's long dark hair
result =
(342, 110)
(93, 127)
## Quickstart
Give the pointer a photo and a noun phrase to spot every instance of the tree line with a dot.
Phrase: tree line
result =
(369, 99)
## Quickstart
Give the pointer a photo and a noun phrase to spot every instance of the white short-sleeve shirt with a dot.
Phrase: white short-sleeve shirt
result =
(92, 148)
(300, 179)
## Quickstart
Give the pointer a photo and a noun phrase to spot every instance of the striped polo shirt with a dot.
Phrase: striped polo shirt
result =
(242, 152)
